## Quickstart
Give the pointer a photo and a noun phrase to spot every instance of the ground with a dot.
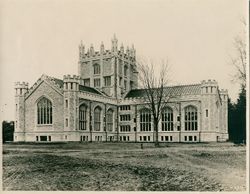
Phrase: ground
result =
(124, 166)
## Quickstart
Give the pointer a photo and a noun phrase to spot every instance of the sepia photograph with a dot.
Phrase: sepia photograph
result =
(122, 95)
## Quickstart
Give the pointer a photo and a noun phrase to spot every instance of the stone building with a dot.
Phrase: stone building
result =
(103, 103)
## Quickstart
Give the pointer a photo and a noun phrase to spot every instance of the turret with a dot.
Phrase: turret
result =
(114, 44)
(71, 101)
(209, 87)
(21, 88)
(102, 48)
(122, 49)
(210, 104)
(92, 51)
(81, 51)
(224, 114)
(224, 95)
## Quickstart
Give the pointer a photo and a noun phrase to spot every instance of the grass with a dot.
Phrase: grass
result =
(124, 167)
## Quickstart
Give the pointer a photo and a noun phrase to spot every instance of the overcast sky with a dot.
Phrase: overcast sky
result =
(42, 37)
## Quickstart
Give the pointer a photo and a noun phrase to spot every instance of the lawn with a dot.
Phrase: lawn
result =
(124, 167)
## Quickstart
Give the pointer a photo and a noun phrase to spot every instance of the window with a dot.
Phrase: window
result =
(125, 70)
(43, 138)
(178, 118)
(107, 81)
(145, 120)
(44, 111)
(206, 112)
(162, 138)
(49, 138)
(190, 138)
(97, 83)
(36, 138)
(167, 120)
(125, 128)
(83, 117)
(140, 138)
(195, 138)
(148, 138)
(166, 138)
(98, 138)
(125, 85)
(110, 120)
(191, 119)
(171, 138)
(97, 119)
(125, 117)
(67, 122)
(185, 138)
(97, 69)
(66, 103)
(71, 86)
(86, 82)
(125, 107)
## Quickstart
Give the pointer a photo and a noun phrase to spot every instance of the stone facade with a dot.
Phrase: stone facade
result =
(79, 108)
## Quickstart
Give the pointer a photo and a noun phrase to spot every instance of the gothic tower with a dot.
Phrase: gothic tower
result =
(21, 88)
(112, 72)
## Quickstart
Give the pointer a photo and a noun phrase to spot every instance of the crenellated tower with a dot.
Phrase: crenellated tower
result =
(21, 88)
(224, 113)
(113, 72)
(71, 101)
(210, 108)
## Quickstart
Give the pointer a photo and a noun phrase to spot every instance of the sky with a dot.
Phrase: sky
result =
(42, 37)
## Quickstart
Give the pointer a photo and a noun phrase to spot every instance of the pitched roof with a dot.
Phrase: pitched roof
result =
(89, 89)
(193, 89)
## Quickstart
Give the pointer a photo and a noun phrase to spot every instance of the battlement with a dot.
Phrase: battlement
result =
(129, 54)
(71, 78)
(21, 85)
(224, 91)
(209, 82)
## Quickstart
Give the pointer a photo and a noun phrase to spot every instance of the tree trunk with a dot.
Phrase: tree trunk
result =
(156, 133)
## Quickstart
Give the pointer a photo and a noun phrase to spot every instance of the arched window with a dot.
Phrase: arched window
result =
(145, 120)
(191, 123)
(83, 117)
(110, 120)
(125, 70)
(44, 111)
(97, 119)
(167, 120)
(97, 69)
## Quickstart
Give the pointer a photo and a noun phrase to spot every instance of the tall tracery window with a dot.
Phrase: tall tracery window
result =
(167, 123)
(83, 117)
(44, 111)
(110, 120)
(97, 69)
(191, 119)
(97, 119)
(125, 70)
(145, 120)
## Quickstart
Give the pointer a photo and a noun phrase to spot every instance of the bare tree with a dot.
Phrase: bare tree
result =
(156, 95)
(239, 61)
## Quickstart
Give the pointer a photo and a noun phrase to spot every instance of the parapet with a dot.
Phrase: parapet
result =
(209, 82)
(224, 91)
(130, 53)
(71, 78)
(21, 85)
